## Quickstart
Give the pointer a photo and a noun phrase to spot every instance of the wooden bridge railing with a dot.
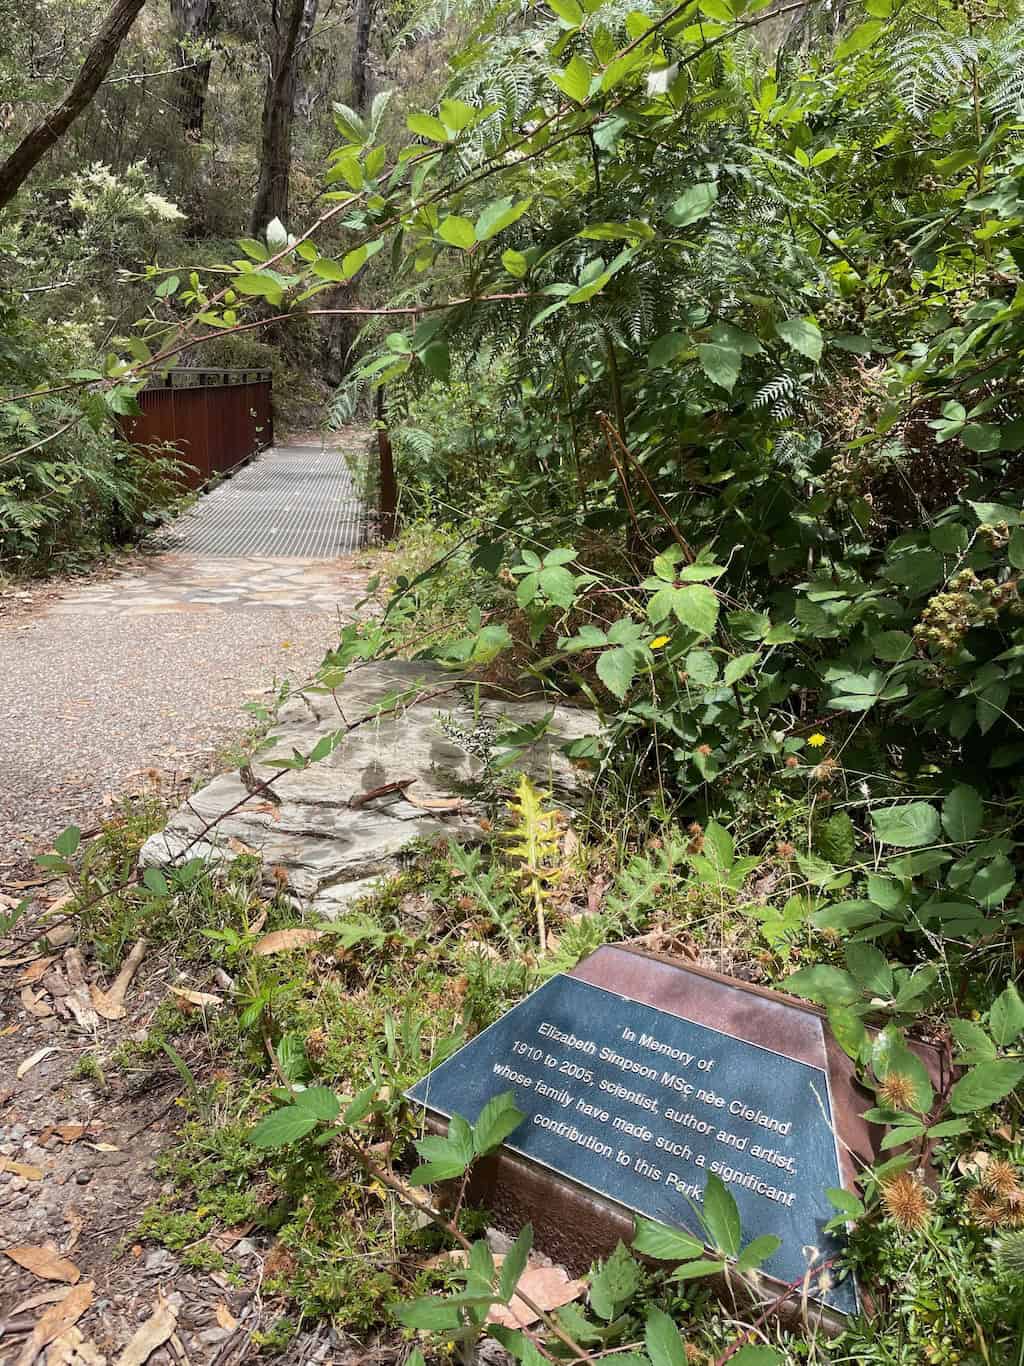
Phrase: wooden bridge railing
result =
(216, 418)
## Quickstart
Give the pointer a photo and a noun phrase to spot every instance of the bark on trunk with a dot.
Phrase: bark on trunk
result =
(193, 22)
(292, 29)
(98, 61)
(360, 53)
(388, 483)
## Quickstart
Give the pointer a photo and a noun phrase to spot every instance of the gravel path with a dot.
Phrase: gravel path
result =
(141, 679)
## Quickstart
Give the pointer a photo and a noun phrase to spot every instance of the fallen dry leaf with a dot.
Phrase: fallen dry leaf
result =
(75, 1222)
(33, 1060)
(225, 1317)
(35, 1004)
(435, 803)
(55, 907)
(72, 1348)
(57, 1319)
(238, 846)
(69, 1133)
(226, 1239)
(36, 970)
(547, 1286)
(60, 934)
(45, 1263)
(41, 1297)
(197, 998)
(22, 1169)
(280, 941)
(103, 1147)
(110, 1004)
(152, 1334)
(77, 999)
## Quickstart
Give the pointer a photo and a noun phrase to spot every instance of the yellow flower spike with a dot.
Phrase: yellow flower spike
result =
(659, 642)
(816, 740)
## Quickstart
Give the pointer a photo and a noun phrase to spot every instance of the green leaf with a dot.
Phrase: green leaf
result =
(438, 359)
(907, 826)
(1006, 1017)
(981, 436)
(614, 1283)
(994, 883)
(498, 216)
(962, 814)
(697, 202)
(985, 1085)
(827, 985)
(425, 125)
(569, 12)
(558, 584)
(457, 115)
(286, 1125)
(721, 1216)
(458, 231)
(696, 606)
(495, 1122)
(757, 1356)
(848, 1028)
(67, 842)
(692, 1270)
(155, 881)
(845, 1202)
(257, 283)
(661, 1336)
(515, 1262)
(740, 666)
(870, 969)
(319, 1101)
(721, 364)
(860, 39)
(666, 348)
(616, 670)
(666, 1244)
(892, 646)
(758, 1251)
(803, 335)
(430, 1315)
(515, 263)
(574, 80)
(168, 285)
(973, 1043)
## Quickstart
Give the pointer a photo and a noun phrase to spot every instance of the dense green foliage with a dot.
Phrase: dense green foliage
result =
(706, 322)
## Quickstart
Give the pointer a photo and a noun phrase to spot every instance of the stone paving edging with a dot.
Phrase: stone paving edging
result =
(330, 853)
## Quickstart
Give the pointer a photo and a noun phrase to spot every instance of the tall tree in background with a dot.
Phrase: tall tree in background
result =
(98, 61)
(291, 27)
(193, 23)
(360, 52)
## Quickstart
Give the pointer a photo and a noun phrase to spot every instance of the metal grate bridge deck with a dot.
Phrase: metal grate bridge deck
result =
(291, 501)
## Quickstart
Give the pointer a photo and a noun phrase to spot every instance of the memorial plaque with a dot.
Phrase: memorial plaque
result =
(637, 1093)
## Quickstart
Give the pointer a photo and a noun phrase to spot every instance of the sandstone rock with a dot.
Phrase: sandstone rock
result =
(329, 853)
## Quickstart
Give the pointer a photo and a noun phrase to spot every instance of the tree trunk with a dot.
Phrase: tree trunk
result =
(292, 28)
(98, 61)
(193, 22)
(388, 484)
(360, 52)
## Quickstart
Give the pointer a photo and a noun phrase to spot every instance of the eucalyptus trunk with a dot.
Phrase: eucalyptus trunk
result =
(193, 23)
(360, 53)
(292, 25)
(52, 127)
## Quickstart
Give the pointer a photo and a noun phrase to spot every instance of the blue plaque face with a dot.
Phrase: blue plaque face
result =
(640, 1105)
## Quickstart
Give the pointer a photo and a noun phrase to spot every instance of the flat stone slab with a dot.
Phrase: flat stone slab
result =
(331, 852)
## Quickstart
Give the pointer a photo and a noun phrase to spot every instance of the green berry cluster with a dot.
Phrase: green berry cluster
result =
(966, 602)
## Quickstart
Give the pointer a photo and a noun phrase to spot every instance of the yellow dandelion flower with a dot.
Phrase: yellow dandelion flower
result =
(816, 740)
(659, 642)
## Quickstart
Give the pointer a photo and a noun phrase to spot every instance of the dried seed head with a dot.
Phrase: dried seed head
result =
(1003, 1178)
(905, 1201)
(898, 1091)
(784, 849)
(984, 1210)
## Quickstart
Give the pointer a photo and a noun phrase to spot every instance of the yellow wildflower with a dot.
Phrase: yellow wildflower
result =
(659, 642)
(816, 740)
